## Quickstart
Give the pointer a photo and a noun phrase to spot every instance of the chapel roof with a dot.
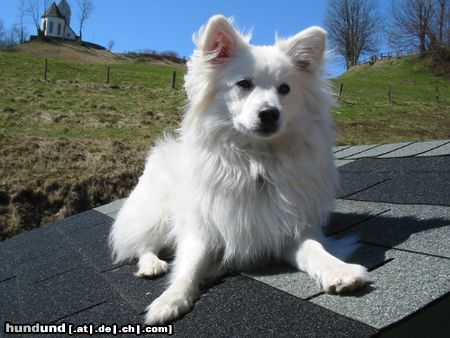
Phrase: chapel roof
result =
(53, 11)
(64, 6)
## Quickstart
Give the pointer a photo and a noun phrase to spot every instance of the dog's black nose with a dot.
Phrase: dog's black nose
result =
(269, 116)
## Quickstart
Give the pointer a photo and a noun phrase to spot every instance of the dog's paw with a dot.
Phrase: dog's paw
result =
(344, 278)
(150, 266)
(167, 307)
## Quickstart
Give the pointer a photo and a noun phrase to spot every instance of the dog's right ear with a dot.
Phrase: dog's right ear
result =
(219, 40)
(306, 48)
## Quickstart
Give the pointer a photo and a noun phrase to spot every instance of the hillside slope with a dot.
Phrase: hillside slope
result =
(365, 114)
(73, 142)
(69, 51)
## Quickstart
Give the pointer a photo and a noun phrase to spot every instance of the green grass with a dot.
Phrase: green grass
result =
(73, 142)
(365, 115)
(76, 98)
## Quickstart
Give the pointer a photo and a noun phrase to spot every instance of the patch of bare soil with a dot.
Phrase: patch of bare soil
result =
(47, 180)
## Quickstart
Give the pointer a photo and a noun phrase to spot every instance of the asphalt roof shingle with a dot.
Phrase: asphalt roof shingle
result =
(399, 206)
(53, 11)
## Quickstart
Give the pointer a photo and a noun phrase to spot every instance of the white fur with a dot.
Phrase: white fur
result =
(224, 196)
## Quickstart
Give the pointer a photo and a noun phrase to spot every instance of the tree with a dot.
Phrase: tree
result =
(353, 27)
(111, 45)
(439, 28)
(13, 36)
(2, 27)
(10, 37)
(45, 4)
(411, 23)
(85, 8)
(22, 14)
(422, 24)
(33, 11)
(2, 32)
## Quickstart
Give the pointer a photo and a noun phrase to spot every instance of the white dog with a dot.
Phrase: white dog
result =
(250, 177)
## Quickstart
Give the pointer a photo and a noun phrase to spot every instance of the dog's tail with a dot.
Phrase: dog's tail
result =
(342, 247)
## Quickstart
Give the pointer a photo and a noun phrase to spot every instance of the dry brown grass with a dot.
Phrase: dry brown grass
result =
(69, 51)
(44, 179)
(72, 142)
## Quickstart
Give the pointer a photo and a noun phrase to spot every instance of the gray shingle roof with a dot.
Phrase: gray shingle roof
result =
(53, 11)
(400, 207)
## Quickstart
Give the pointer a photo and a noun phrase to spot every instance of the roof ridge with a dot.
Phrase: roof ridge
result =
(53, 10)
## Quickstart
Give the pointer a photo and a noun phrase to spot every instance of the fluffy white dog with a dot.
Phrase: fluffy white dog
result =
(249, 178)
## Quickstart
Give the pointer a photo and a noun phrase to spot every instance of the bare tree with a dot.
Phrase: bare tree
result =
(353, 27)
(21, 15)
(10, 37)
(411, 24)
(45, 5)
(440, 25)
(2, 27)
(2, 32)
(446, 25)
(33, 11)
(85, 8)
(444, 8)
(13, 35)
(111, 44)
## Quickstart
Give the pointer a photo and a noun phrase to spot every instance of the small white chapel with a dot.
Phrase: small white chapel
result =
(56, 21)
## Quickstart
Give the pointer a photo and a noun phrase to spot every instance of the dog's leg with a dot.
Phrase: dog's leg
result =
(142, 227)
(140, 233)
(330, 272)
(149, 265)
(191, 264)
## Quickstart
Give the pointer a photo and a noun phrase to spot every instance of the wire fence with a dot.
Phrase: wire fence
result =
(387, 55)
(432, 93)
(54, 70)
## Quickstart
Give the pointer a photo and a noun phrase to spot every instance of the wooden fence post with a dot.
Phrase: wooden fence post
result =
(107, 76)
(45, 70)
(174, 79)
(341, 86)
(390, 93)
(437, 94)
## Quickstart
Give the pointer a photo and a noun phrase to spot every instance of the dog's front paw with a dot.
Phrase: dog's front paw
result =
(151, 266)
(344, 278)
(167, 307)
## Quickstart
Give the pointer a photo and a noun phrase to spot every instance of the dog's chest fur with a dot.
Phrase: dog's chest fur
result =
(253, 203)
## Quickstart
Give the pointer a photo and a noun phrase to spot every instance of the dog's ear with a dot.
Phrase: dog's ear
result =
(307, 48)
(219, 39)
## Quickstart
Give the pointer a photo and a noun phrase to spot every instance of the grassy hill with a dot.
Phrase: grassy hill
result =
(70, 51)
(365, 115)
(74, 142)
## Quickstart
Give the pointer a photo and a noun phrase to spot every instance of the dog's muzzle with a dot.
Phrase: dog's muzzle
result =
(268, 121)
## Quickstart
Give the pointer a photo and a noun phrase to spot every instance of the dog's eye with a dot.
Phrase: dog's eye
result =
(283, 89)
(245, 84)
